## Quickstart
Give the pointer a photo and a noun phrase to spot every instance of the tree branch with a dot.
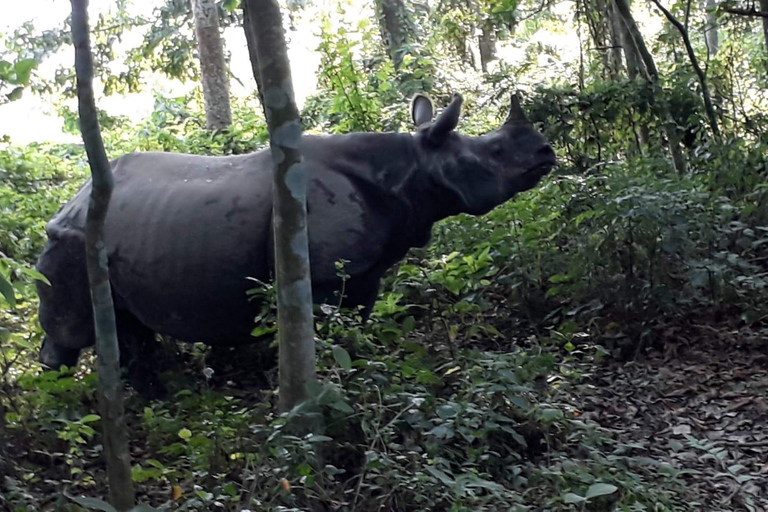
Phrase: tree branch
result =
(745, 12)
(695, 63)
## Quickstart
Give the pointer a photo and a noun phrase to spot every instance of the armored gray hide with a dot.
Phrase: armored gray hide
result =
(185, 232)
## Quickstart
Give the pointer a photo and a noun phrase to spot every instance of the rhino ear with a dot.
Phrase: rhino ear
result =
(516, 114)
(446, 122)
(421, 109)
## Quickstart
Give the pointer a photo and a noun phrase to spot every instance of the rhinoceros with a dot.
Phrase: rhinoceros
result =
(185, 232)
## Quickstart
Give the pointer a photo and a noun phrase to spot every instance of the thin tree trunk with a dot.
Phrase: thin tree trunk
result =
(250, 41)
(764, 9)
(487, 45)
(711, 35)
(699, 72)
(213, 68)
(110, 393)
(294, 289)
(635, 66)
(614, 37)
(673, 138)
(394, 26)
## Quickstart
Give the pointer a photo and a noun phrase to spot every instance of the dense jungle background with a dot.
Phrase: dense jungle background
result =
(598, 343)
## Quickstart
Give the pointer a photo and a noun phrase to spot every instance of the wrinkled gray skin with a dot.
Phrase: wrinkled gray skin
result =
(184, 231)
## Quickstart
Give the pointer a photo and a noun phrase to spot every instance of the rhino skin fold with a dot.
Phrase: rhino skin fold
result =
(185, 232)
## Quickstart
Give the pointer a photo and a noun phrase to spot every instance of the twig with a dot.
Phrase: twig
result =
(745, 12)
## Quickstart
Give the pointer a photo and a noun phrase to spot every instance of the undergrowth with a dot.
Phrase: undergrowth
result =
(454, 395)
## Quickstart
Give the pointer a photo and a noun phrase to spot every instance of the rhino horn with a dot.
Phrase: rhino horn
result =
(446, 122)
(516, 114)
(421, 109)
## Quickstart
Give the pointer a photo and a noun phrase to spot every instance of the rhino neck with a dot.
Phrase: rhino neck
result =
(459, 180)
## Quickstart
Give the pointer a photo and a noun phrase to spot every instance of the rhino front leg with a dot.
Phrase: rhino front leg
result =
(138, 355)
(55, 356)
(65, 307)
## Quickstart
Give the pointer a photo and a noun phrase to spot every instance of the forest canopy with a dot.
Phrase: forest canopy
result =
(595, 343)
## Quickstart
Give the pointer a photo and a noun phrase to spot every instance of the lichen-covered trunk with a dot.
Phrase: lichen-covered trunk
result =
(250, 41)
(110, 386)
(213, 69)
(614, 35)
(394, 25)
(635, 66)
(294, 291)
(487, 45)
(711, 34)
(764, 8)
(673, 137)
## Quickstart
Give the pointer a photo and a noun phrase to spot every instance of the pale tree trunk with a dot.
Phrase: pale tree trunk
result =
(711, 35)
(614, 33)
(487, 45)
(673, 137)
(250, 41)
(110, 389)
(632, 57)
(394, 25)
(294, 289)
(764, 9)
(213, 69)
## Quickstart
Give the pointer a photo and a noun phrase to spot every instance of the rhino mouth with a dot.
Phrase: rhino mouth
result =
(540, 169)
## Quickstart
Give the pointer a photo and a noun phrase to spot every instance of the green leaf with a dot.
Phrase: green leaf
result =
(551, 414)
(92, 503)
(596, 490)
(90, 418)
(15, 94)
(34, 274)
(573, 498)
(341, 356)
(185, 433)
(7, 290)
(447, 480)
(144, 508)
(5, 334)
(230, 5)
(23, 69)
(447, 411)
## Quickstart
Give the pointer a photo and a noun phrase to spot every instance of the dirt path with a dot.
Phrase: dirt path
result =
(702, 409)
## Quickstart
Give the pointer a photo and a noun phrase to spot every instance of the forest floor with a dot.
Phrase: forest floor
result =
(701, 406)
(698, 410)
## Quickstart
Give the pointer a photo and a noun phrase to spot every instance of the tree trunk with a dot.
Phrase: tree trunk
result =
(711, 35)
(487, 45)
(294, 289)
(212, 66)
(673, 137)
(250, 41)
(614, 37)
(764, 8)
(110, 388)
(394, 25)
(697, 69)
(632, 57)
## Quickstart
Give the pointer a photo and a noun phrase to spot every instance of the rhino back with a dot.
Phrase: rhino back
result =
(185, 231)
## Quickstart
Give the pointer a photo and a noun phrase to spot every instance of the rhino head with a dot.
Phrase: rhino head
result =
(479, 172)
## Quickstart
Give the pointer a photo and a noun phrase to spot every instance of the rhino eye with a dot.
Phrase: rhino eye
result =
(497, 148)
